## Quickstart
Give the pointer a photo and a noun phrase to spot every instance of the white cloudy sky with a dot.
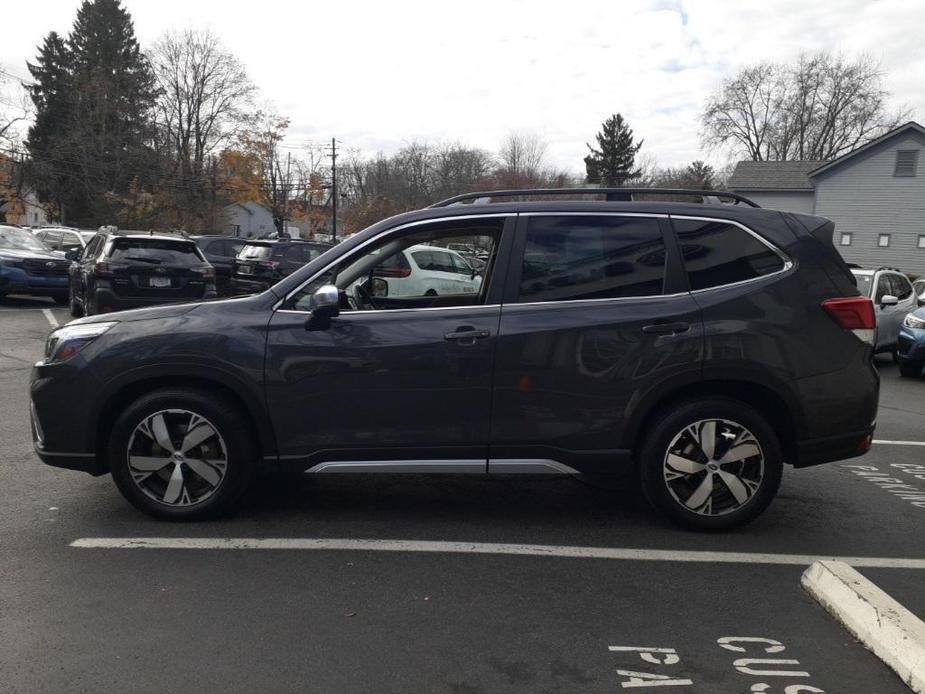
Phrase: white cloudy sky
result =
(379, 73)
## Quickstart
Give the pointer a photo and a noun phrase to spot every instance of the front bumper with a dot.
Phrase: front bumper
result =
(17, 281)
(69, 460)
(911, 344)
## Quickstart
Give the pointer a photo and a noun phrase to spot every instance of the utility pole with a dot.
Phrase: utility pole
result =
(333, 190)
(286, 196)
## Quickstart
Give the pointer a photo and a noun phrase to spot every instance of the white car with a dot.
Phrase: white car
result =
(424, 270)
(893, 298)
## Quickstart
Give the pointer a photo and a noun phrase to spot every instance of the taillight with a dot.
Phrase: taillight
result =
(854, 313)
(103, 269)
(393, 272)
(208, 273)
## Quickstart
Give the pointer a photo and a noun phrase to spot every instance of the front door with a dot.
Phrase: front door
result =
(395, 376)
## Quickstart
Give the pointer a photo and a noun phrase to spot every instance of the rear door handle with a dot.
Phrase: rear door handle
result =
(466, 335)
(666, 328)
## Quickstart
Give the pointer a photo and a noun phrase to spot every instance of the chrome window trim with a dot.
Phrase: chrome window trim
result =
(644, 215)
(391, 311)
(390, 230)
(568, 302)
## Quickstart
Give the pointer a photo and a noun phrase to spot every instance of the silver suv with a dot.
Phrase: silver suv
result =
(893, 297)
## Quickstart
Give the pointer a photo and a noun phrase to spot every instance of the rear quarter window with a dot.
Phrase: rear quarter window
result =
(717, 253)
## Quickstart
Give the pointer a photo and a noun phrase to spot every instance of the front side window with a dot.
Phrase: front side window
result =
(381, 276)
(583, 257)
(718, 253)
(883, 288)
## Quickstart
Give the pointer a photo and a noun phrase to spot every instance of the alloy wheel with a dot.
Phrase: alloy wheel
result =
(177, 457)
(713, 467)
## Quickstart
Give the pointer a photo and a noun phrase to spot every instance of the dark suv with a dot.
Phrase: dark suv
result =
(703, 344)
(261, 264)
(220, 251)
(129, 269)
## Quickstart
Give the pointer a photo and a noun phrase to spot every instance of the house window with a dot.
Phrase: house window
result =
(883, 240)
(845, 239)
(921, 240)
(906, 161)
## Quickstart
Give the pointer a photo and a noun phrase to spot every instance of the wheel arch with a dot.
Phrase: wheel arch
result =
(128, 390)
(763, 398)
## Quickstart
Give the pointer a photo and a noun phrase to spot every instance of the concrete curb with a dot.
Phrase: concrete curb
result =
(894, 634)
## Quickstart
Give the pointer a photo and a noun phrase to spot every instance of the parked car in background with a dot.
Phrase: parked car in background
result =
(425, 270)
(704, 374)
(911, 351)
(220, 251)
(125, 269)
(28, 266)
(64, 239)
(893, 297)
(262, 263)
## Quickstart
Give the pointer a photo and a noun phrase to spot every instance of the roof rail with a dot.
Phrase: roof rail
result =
(116, 231)
(887, 267)
(613, 194)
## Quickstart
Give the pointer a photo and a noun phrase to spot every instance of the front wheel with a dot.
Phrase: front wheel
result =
(910, 369)
(181, 454)
(713, 464)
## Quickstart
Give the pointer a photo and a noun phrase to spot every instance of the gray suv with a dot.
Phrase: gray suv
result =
(703, 346)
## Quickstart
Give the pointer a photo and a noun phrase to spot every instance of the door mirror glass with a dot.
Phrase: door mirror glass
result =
(888, 300)
(325, 302)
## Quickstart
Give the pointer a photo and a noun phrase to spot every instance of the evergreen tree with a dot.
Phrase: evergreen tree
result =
(102, 124)
(611, 164)
(700, 175)
(52, 95)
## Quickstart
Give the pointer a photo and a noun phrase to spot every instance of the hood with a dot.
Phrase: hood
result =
(16, 254)
(149, 313)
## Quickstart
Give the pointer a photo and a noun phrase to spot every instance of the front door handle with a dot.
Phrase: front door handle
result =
(466, 335)
(666, 328)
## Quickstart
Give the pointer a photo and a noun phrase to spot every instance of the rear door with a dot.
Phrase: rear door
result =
(595, 318)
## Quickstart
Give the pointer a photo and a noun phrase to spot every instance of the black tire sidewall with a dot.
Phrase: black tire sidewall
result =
(910, 369)
(655, 446)
(227, 420)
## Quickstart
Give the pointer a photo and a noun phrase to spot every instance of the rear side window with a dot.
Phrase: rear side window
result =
(155, 252)
(717, 253)
(568, 258)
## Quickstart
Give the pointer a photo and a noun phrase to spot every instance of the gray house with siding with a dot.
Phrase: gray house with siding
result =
(248, 220)
(874, 194)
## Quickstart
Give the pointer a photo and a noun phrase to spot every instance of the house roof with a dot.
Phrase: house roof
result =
(772, 175)
(905, 127)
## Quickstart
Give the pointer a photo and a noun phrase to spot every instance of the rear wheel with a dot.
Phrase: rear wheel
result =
(714, 464)
(910, 369)
(181, 454)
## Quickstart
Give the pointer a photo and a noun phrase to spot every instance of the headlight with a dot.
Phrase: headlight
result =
(914, 322)
(65, 342)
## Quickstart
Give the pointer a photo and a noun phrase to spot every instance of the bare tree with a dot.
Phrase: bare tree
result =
(818, 108)
(204, 91)
(522, 156)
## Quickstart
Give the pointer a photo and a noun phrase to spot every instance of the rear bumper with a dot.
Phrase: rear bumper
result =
(832, 448)
(107, 300)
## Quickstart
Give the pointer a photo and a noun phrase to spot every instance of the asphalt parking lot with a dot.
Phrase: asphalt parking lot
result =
(478, 619)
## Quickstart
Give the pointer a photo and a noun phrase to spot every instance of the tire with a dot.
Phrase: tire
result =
(894, 353)
(723, 505)
(76, 309)
(910, 369)
(61, 299)
(180, 489)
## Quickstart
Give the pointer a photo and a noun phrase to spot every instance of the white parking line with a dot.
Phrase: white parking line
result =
(50, 317)
(883, 442)
(565, 551)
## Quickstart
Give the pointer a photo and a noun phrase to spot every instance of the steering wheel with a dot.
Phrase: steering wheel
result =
(365, 296)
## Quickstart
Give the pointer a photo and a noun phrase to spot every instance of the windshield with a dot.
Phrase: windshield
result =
(255, 252)
(155, 252)
(863, 283)
(19, 240)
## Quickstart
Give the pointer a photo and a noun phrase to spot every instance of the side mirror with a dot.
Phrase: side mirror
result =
(72, 254)
(920, 299)
(888, 300)
(324, 305)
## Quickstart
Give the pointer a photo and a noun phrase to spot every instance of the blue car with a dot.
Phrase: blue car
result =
(911, 344)
(28, 266)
